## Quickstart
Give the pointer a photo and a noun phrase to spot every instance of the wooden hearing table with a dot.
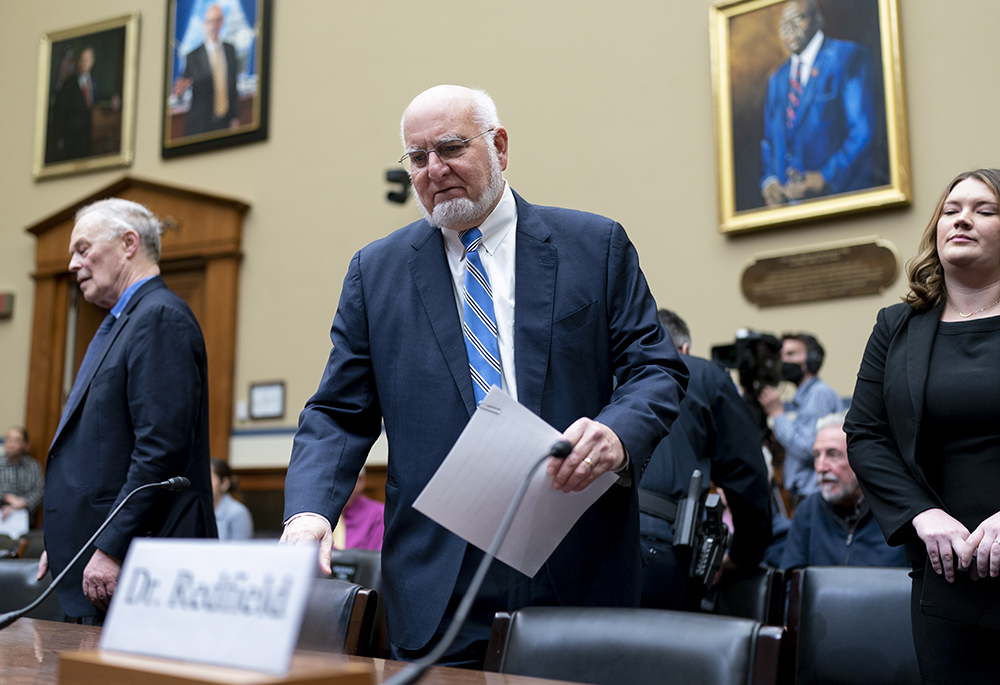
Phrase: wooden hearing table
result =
(29, 655)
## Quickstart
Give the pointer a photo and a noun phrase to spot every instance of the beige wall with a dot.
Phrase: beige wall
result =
(608, 107)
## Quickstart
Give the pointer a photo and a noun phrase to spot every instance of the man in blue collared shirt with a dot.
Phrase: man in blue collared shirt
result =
(137, 413)
(795, 426)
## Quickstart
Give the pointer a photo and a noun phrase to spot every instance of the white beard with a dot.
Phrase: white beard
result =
(462, 210)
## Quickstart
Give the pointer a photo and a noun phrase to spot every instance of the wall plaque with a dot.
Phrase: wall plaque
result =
(825, 272)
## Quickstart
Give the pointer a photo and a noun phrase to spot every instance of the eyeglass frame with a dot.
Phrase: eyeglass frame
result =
(465, 144)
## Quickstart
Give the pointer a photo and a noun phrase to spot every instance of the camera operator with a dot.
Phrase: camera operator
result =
(795, 428)
(716, 434)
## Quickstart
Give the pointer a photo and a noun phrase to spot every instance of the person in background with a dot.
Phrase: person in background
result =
(231, 516)
(835, 526)
(715, 433)
(795, 427)
(923, 432)
(20, 475)
(361, 524)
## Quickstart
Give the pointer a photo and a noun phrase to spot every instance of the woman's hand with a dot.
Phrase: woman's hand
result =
(946, 538)
(985, 543)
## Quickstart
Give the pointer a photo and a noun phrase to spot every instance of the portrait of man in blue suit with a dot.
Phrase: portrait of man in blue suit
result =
(821, 124)
(573, 336)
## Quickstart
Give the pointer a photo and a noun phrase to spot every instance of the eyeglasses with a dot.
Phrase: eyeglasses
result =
(446, 149)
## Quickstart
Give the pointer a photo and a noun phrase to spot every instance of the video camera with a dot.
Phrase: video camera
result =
(756, 356)
(700, 527)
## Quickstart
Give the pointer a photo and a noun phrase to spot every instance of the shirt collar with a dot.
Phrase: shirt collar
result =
(808, 56)
(122, 302)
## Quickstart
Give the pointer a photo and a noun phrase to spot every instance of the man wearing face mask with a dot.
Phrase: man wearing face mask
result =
(795, 426)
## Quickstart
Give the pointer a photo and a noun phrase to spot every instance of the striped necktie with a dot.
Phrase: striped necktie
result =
(480, 327)
(794, 95)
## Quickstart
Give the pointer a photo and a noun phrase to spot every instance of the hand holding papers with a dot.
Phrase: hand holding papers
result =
(471, 490)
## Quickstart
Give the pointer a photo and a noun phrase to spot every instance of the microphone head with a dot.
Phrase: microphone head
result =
(561, 449)
(176, 484)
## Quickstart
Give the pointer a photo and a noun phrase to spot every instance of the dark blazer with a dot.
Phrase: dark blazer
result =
(883, 424)
(834, 130)
(142, 418)
(72, 123)
(201, 117)
(717, 434)
(587, 343)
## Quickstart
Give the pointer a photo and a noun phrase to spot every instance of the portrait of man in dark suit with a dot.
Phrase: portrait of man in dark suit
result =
(426, 325)
(217, 79)
(86, 78)
(210, 73)
(137, 412)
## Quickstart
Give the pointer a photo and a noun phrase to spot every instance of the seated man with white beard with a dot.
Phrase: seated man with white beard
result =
(835, 527)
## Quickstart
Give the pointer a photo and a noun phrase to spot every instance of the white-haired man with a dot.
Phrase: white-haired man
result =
(426, 325)
(137, 413)
(835, 526)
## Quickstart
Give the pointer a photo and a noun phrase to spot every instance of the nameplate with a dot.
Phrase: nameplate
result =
(237, 604)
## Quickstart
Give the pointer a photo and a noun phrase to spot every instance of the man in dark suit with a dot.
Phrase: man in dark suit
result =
(137, 413)
(819, 115)
(584, 351)
(210, 72)
(715, 433)
(72, 113)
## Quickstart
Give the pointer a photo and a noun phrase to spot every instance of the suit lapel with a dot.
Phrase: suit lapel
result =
(815, 74)
(534, 295)
(919, 341)
(432, 279)
(106, 346)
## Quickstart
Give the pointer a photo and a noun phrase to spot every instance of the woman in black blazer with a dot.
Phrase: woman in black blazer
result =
(924, 431)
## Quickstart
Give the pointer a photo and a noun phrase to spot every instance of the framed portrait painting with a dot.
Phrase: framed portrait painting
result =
(85, 115)
(217, 74)
(809, 110)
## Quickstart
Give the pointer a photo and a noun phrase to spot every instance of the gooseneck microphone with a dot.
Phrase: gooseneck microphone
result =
(413, 672)
(174, 484)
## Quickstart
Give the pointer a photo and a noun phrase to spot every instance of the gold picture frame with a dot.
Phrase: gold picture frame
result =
(85, 114)
(847, 131)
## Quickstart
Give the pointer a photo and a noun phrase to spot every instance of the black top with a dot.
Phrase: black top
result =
(961, 426)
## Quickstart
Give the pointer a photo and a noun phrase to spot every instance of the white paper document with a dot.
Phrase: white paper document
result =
(16, 524)
(475, 484)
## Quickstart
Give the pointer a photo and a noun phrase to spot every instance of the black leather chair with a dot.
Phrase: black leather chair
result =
(18, 589)
(757, 594)
(851, 625)
(339, 615)
(364, 567)
(12, 548)
(615, 646)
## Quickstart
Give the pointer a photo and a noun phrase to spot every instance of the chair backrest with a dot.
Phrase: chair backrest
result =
(850, 624)
(619, 646)
(757, 594)
(338, 615)
(364, 567)
(18, 589)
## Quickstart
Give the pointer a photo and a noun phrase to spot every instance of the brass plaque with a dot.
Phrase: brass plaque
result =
(832, 271)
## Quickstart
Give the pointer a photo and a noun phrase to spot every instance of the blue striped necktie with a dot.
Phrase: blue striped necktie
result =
(480, 326)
